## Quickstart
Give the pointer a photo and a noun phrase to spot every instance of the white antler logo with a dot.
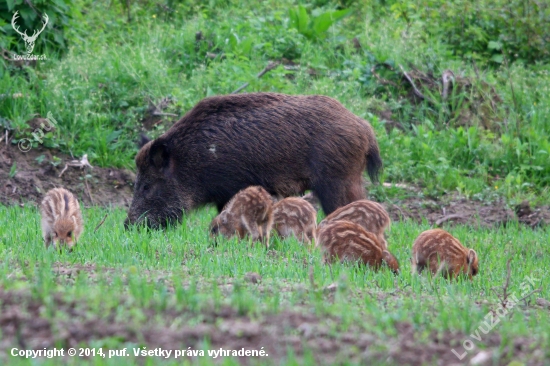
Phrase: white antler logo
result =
(29, 41)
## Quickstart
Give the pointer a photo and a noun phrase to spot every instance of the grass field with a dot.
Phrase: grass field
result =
(124, 289)
(177, 290)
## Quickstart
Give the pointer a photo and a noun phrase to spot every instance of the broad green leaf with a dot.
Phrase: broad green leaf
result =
(497, 58)
(245, 46)
(494, 45)
(303, 20)
(113, 135)
(293, 16)
(233, 41)
(323, 22)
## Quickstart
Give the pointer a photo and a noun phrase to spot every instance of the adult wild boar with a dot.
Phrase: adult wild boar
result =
(286, 144)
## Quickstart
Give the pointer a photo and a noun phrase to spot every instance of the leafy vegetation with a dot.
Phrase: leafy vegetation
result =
(489, 30)
(488, 131)
(314, 27)
(30, 19)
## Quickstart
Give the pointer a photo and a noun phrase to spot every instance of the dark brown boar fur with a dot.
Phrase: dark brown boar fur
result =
(348, 241)
(441, 253)
(369, 214)
(286, 144)
(249, 212)
(295, 216)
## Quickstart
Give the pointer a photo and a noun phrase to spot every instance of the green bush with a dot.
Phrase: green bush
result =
(30, 19)
(486, 30)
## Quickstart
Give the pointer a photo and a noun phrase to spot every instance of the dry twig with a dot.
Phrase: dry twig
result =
(270, 66)
(447, 218)
(88, 190)
(82, 163)
(416, 91)
(531, 293)
(507, 283)
(101, 223)
(156, 110)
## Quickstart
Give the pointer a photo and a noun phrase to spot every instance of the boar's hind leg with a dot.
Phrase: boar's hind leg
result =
(335, 193)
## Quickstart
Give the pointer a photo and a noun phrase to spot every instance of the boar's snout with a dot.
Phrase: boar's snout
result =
(154, 218)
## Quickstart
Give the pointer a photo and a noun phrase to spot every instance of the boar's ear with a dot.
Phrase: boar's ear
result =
(159, 155)
(143, 139)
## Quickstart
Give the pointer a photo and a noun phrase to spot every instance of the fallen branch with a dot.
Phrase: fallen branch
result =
(531, 293)
(416, 91)
(101, 223)
(447, 218)
(270, 66)
(82, 163)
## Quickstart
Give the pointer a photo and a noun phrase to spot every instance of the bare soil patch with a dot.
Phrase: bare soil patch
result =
(35, 174)
(25, 323)
(452, 210)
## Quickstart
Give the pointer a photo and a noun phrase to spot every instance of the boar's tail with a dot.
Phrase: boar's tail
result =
(374, 163)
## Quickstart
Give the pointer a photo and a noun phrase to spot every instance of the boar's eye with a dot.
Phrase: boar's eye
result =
(70, 233)
(146, 187)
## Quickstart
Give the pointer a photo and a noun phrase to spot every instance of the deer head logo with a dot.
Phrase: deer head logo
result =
(29, 41)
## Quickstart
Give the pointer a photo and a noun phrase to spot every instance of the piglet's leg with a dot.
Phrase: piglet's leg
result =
(253, 229)
(443, 270)
(48, 240)
(414, 265)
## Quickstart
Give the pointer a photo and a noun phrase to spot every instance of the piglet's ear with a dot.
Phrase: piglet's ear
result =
(159, 155)
(472, 255)
(143, 139)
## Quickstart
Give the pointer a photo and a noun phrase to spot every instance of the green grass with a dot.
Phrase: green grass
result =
(99, 106)
(182, 269)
